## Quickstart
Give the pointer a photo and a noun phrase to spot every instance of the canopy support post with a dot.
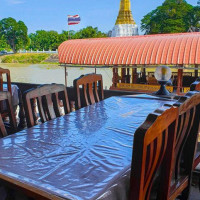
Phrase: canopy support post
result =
(180, 80)
(196, 71)
(65, 76)
(128, 76)
(134, 75)
(115, 77)
(123, 74)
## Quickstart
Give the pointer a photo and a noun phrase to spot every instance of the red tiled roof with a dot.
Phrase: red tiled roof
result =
(168, 49)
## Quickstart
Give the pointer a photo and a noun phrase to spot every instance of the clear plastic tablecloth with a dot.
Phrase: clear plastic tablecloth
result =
(83, 155)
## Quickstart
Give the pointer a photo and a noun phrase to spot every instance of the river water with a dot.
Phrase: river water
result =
(48, 73)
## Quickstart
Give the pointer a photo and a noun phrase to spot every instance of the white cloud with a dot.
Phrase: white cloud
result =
(15, 1)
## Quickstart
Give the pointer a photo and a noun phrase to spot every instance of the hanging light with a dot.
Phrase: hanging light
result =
(162, 75)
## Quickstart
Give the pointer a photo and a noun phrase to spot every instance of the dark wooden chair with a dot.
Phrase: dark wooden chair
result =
(92, 90)
(185, 146)
(153, 148)
(47, 99)
(196, 87)
(5, 72)
(6, 98)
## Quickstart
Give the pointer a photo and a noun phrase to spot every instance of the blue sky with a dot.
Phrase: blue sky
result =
(52, 14)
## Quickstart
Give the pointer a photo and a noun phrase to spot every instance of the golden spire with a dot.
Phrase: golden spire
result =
(125, 15)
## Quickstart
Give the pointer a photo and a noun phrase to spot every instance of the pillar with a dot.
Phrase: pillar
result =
(196, 71)
(123, 75)
(179, 80)
(134, 75)
(128, 75)
(115, 77)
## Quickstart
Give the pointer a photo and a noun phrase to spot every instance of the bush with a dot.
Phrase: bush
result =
(25, 58)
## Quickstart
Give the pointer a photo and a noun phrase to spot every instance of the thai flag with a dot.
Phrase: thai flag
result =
(73, 19)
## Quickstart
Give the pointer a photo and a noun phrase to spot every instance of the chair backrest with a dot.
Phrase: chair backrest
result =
(186, 140)
(153, 147)
(47, 99)
(6, 97)
(92, 90)
(7, 72)
(195, 86)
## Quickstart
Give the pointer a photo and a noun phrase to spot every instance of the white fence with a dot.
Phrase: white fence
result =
(30, 51)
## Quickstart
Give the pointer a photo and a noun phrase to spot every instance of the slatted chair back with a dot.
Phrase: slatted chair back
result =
(47, 100)
(196, 87)
(6, 98)
(152, 150)
(186, 140)
(92, 90)
(7, 73)
(8, 82)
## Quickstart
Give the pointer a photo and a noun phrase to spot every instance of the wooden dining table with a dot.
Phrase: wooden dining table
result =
(80, 156)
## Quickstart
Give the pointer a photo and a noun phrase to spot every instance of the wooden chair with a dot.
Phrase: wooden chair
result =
(6, 97)
(7, 73)
(185, 146)
(47, 98)
(92, 90)
(196, 87)
(153, 148)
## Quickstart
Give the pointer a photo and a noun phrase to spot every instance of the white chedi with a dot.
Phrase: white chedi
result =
(122, 30)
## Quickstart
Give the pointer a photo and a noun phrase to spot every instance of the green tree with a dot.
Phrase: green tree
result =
(195, 16)
(15, 33)
(88, 32)
(3, 43)
(173, 16)
(45, 40)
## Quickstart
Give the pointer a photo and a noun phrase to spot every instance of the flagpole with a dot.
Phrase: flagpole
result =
(68, 28)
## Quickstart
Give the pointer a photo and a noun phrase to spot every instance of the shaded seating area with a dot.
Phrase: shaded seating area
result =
(128, 147)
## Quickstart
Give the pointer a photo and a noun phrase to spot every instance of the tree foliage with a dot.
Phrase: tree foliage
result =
(173, 16)
(3, 43)
(45, 40)
(89, 32)
(15, 33)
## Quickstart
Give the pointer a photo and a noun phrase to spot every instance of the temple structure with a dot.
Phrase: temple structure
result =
(125, 24)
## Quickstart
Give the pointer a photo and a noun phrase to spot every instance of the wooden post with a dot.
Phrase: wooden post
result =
(196, 71)
(143, 74)
(134, 75)
(123, 74)
(128, 76)
(115, 77)
(179, 81)
(65, 76)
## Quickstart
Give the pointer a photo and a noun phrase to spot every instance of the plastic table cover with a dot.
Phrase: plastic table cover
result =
(83, 155)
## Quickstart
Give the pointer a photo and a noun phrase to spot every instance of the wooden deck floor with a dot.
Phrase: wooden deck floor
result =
(195, 193)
